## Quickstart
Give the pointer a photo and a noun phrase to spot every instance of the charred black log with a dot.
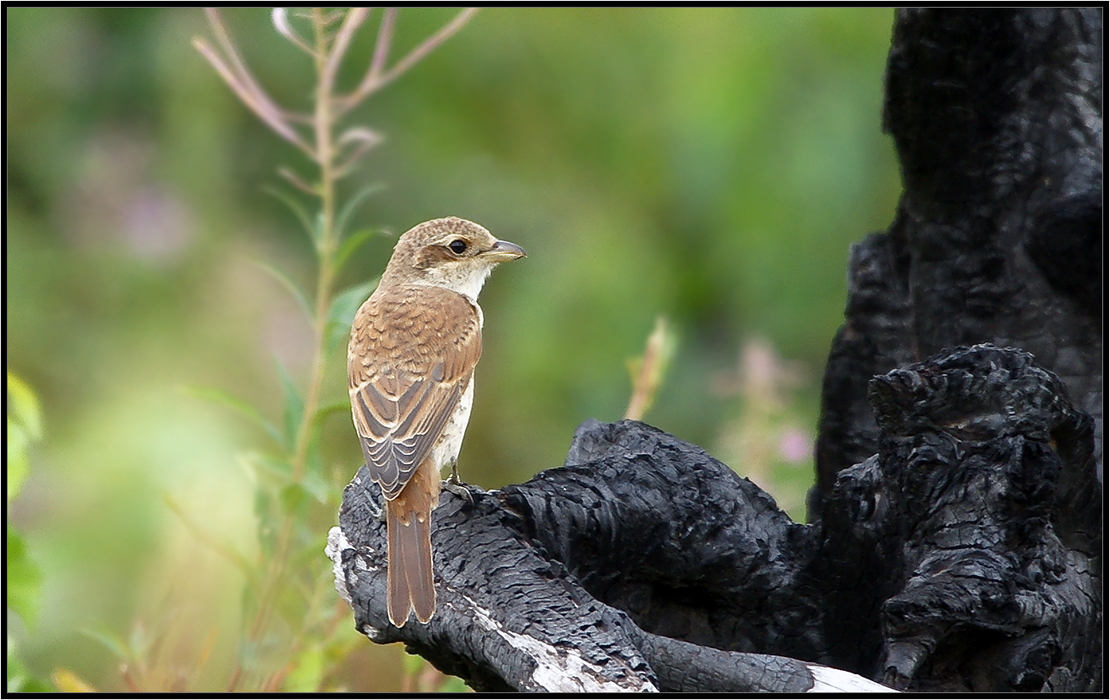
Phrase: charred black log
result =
(997, 118)
(514, 614)
(520, 575)
(944, 562)
(972, 536)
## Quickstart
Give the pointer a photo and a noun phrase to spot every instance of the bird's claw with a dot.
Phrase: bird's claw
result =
(458, 488)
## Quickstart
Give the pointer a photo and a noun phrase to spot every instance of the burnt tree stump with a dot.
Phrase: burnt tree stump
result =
(956, 534)
(997, 118)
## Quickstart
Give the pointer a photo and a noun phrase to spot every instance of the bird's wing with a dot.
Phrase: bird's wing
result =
(412, 355)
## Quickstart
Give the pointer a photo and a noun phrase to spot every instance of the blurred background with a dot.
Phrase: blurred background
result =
(712, 166)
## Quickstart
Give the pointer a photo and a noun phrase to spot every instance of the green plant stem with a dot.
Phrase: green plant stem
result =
(323, 120)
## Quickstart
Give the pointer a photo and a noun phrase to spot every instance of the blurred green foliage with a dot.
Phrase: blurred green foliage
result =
(22, 576)
(712, 165)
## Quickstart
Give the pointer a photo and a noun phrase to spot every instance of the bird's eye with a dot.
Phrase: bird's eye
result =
(457, 246)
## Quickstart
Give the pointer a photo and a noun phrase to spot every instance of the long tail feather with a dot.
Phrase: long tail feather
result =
(411, 583)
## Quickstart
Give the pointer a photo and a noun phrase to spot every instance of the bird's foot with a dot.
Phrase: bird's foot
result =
(457, 487)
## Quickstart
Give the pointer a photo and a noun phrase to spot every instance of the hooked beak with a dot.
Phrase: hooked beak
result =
(503, 251)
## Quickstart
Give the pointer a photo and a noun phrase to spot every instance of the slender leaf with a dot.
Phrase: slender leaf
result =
(240, 406)
(23, 402)
(111, 641)
(294, 499)
(294, 406)
(317, 486)
(24, 428)
(335, 407)
(265, 469)
(289, 284)
(296, 208)
(343, 309)
(24, 579)
(18, 464)
(352, 204)
(267, 523)
(319, 232)
(314, 460)
(355, 241)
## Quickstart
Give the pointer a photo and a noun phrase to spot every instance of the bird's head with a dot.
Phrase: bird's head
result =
(453, 253)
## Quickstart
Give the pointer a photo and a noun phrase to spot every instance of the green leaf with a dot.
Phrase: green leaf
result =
(238, 405)
(353, 243)
(294, 499)
(290, 285)
(24, 428)
(23, 402)
(111, 641)
(18, 464)
(19, 679)
(316, 485)
(24, 579)
(294, 406)
(296, 208)
(267, 522)
(353, 203)
(314, 459)
(342, 312)
(335, 407)
(267, 470)
(319, 232)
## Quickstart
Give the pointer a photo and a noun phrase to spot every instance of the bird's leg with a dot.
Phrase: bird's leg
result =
(455, 485)
(379, 513)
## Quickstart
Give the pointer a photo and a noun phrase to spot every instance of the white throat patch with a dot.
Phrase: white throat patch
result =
(465, 277)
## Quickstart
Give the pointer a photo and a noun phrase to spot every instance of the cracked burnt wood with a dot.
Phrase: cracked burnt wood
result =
(944, 562)
(997, 120)
(964, 555)
(513, 614)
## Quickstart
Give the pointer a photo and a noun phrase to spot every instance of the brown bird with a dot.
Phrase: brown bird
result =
(410, 362)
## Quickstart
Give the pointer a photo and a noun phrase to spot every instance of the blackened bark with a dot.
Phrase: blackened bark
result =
(952, 557)
(943, 562)
(957, 527)
(997, 118)
(528, 591)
